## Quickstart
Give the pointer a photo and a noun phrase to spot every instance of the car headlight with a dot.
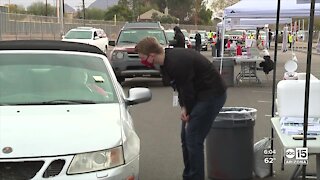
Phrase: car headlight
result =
(95, 161)
(118, 55)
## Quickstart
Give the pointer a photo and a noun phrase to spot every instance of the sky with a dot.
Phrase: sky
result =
(26, 3)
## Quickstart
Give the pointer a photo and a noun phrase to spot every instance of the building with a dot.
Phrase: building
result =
(147, 16)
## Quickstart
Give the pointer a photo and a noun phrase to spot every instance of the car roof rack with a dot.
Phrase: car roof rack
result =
(134, 25)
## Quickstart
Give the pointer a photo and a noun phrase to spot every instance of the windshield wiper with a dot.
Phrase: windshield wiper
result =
(52, 102)
(131, 42)
(67, 101)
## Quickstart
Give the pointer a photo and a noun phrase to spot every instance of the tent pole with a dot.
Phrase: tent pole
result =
(274, 77)
(222, 41)
(307, 87)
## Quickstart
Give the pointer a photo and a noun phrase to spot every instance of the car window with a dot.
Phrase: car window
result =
(185, 33)
(203, 35)
(78, 35)
(41, 78)
(170, 35)
(134, 36)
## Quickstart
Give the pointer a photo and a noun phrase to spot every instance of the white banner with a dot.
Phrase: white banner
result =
(306, 1)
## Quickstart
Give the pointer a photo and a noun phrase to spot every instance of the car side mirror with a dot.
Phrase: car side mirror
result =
(63, 36)
(112, 43)
(138, 95)
(96, 37)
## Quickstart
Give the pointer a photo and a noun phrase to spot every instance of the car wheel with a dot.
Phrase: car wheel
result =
(120, 79)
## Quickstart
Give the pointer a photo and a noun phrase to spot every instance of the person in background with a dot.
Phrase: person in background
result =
(251, 36)
(210, 36)
(201, 95)
(218, 46)
(179, 37)
(198, 41)
(290, 39)
(270, 38)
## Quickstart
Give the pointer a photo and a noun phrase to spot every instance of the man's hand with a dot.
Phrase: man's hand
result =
(184, 115)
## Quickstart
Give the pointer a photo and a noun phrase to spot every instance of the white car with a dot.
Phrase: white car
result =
(63, 115)
(170, 37)
(88, 35)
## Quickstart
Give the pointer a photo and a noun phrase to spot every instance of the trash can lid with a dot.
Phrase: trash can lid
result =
(236, 113)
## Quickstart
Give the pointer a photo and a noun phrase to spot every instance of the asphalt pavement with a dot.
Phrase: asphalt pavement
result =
(158, 125)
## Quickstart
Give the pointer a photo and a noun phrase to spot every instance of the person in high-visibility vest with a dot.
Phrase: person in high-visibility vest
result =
(251, 36)
(290, 39)
(210, 36)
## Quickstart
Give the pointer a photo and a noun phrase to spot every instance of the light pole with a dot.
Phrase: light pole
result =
(46, 7)
(84, 9)
(61, 17)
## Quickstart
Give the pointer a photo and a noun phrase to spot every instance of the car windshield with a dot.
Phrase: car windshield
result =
(42, 79)
(203, 35)
(78, 35)
(134, 36)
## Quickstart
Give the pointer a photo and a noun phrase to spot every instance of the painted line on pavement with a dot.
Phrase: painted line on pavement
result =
(260, 101)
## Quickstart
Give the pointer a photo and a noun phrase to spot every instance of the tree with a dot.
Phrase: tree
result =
(219, 5)
(123, 13)
(205, 16)
(180, 9)
(13, 8)
(39, 8)
(94, 13)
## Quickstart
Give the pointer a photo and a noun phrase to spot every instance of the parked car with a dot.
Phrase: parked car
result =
(170, 37)
(186, 38)
(64, 115)
(88, 35)
(236, 35)
(204, 41)
(125, 61)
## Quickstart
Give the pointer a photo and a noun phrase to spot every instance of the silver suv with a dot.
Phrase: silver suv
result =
(124, 60)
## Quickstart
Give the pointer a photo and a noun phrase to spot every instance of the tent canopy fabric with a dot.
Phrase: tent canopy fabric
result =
(268, 9)
(253, 23)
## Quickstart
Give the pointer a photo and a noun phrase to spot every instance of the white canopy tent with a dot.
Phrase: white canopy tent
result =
(279, 9)
(268, 9)
(252, 23)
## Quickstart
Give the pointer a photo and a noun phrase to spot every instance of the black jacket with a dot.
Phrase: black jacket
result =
(198, 38)
(193, 76)
(180, 41)
(179, 37)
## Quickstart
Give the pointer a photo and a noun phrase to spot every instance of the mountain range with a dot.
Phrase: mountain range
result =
(103, 4)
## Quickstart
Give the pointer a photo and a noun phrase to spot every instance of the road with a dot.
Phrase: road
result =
(158, 124)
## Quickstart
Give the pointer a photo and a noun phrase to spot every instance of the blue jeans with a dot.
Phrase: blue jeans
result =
(194, 134)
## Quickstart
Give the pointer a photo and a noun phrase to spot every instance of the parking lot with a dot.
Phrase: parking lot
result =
(158, 124)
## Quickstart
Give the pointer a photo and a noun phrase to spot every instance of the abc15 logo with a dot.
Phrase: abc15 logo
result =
(297, 153)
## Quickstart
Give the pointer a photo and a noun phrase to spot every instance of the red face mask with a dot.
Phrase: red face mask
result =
(146, 63)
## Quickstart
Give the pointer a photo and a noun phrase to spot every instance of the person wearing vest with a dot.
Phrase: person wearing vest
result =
(251, 36)
(290, 39)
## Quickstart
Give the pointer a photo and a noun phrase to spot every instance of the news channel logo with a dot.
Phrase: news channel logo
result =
(297, 156)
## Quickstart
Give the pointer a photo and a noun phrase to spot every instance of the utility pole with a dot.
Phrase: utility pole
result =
(84, 12)
(196, 14)
(61, 17)
(46, 7)
(9, 7)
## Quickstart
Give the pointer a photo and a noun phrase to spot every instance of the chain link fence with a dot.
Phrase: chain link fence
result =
(26, 27)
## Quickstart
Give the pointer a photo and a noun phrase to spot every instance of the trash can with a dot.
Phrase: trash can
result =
(229, 144)
(213, 51)
(227, 71)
